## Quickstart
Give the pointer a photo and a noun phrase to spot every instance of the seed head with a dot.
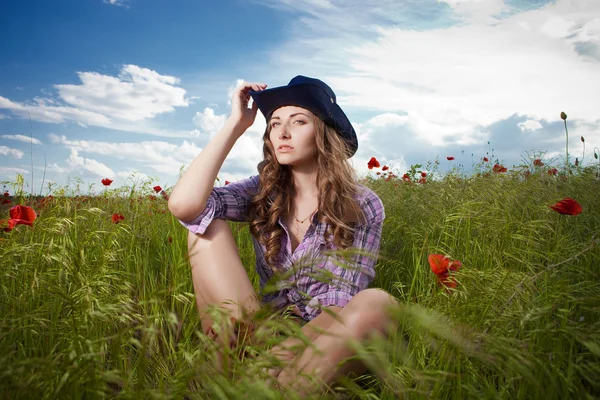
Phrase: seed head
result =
(582, 139)
(563, 115)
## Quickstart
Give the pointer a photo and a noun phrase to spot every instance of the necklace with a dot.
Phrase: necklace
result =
(297, 220)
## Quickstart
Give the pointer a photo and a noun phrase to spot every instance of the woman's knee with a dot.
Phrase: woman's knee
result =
(370, 310)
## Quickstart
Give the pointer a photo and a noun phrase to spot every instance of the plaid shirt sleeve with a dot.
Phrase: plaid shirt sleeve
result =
(229, 202)
(357, 274)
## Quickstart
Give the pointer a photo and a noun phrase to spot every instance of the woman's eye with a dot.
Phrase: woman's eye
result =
(300, 121)
(273, 124)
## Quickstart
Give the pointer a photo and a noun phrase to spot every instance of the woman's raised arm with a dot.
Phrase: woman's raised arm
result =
(191, 192)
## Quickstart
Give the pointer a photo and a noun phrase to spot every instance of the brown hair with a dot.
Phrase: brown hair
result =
(337, 184)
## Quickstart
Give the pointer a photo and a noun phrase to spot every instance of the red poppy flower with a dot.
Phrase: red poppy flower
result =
(567, 206)
(19, 215)
(441, 267)
(227, 182)
(449, 158)
(423, 174)
(422, 180)
(6, 194)
(485, 159)
(106, 182)
(406, 178)
(385, 168)
(538, 163)
(499, 168)
(117, 217)
(152, 197)
(373, 163)
(164, 195)
(6, 201)
(157, 189)
(553, 171)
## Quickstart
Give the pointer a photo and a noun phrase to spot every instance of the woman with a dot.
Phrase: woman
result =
(303, 204)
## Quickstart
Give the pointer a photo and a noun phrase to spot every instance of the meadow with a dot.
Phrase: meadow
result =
(94, 307)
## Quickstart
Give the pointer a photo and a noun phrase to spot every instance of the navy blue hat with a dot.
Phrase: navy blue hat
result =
(312, 94)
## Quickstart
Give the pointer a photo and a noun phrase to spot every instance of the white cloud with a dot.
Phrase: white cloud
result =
(11, 172)
(22, 138)
(13, 152)
(117, 2)
(4, 116)
(529, 125)
(125, 102)
(208, 122)
(88, 166)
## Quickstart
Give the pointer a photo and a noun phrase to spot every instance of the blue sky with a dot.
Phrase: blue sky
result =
(117, 87)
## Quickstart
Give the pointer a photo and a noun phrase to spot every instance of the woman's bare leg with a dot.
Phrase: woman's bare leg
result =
(218, 274)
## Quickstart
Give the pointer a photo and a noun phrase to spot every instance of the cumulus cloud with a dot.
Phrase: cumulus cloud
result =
(208, 122)
(124, 102)
(22, 138)
(4, 116)
(13, 152)
(88, 166)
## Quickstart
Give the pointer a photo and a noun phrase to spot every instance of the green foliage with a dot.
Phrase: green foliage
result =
(93, 309)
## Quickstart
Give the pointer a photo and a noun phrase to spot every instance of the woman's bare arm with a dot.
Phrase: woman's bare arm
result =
(191, 192)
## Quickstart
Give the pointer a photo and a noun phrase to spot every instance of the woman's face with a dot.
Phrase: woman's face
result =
(293, 127)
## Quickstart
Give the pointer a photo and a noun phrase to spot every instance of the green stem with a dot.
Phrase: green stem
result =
(568, 164)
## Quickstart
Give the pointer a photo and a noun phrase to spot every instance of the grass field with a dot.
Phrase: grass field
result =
(96, 309)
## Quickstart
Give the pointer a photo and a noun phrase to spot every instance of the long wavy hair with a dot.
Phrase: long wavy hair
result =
(336, 182)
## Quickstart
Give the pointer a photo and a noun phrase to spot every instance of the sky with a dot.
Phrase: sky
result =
(133, 90)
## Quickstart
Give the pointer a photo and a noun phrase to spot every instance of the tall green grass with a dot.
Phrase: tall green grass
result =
(92, 309)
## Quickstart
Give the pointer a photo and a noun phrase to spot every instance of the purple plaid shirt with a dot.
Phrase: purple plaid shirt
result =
(311, 277)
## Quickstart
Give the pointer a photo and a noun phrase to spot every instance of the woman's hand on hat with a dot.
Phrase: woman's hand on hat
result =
(241, 114)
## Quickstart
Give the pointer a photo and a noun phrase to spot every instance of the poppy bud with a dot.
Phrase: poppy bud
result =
(563, 115)
(582, 140)
(576, 162)
(595, 155)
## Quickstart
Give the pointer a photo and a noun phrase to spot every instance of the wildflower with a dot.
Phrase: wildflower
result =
(441, 267)
(6, 194)
(449, 158)
(373, 163)
(485, 159)
(19, 215)
(422, 180)
(576, 161)
(385, 168)
(117, 217)
(227, 182)
(423, 174)
(157, 189)
(6, 201)
(378, 173)
(553, 171)
(563, 115)
(152, 197)
(106, 182)
(406, 178)
(499, 168)
(527, 174)
(164, 195)
(567, 206)
(538, 163)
